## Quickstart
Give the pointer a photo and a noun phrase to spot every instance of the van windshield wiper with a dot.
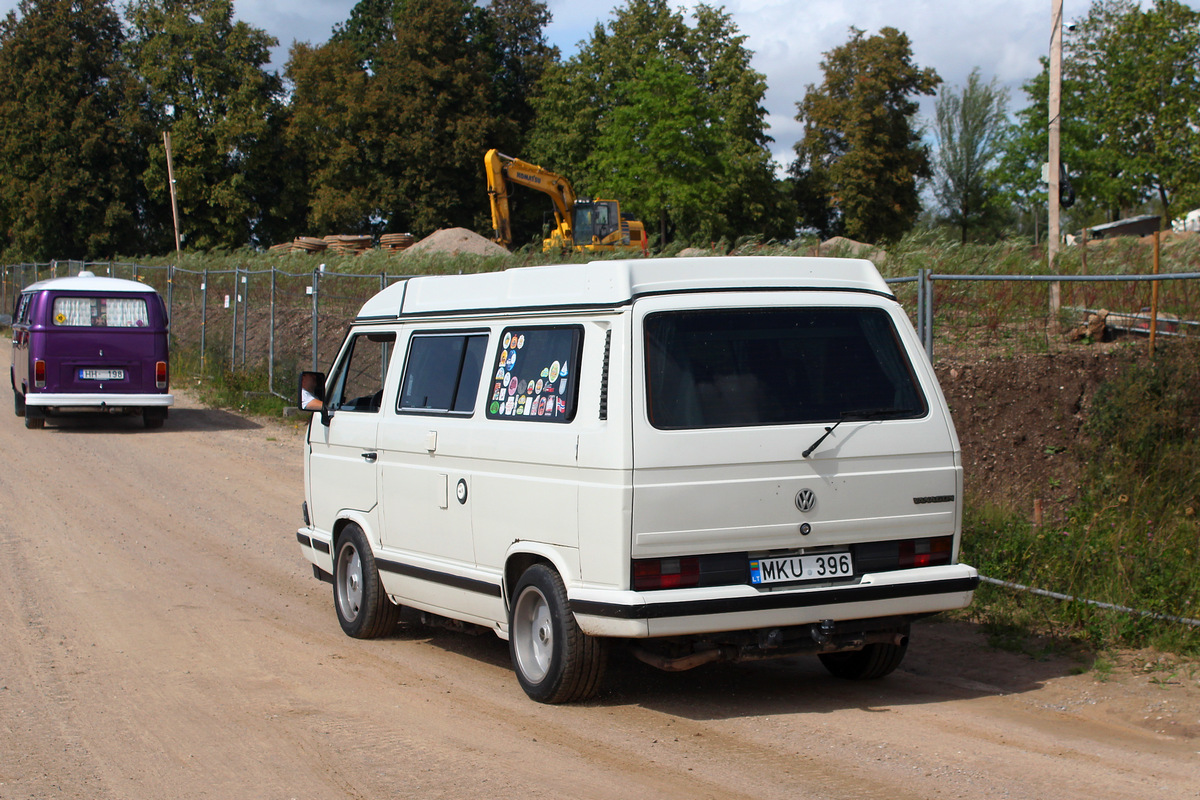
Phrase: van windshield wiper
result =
(861, 415)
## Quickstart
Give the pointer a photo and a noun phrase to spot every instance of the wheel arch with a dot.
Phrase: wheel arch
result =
(524, 555)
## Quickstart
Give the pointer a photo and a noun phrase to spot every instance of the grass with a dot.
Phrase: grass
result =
(1133, 539)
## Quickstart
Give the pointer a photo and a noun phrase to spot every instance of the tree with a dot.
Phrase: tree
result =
(71, 134)
(1130, 113)
(393, 115)
(331, 131)
(653, 144)
(862, 150)
(208, 87)
(618, 78)
(1140, 75)
(434, 78)
(970, 126)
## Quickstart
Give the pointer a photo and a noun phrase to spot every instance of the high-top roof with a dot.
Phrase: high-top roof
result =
(616, 282)
(87, 282)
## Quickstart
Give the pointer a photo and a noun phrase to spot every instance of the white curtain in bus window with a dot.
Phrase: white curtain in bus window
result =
(101, 312)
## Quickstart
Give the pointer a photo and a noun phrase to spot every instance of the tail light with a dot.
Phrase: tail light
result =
(926, 552)
(665, 573)
(160, 374)
(39, 374)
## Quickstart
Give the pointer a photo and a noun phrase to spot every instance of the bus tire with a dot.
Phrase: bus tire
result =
(554, 660)
(873, 661)
(363, 608)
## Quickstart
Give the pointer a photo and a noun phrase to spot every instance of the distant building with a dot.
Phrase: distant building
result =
(1133, 226)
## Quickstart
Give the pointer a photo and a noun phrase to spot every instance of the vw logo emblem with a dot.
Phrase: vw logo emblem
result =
(806, 500)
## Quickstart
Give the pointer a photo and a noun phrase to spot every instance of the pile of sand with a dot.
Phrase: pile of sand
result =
(455, 241)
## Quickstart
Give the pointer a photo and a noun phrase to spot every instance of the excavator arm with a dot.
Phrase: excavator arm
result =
(504, 170)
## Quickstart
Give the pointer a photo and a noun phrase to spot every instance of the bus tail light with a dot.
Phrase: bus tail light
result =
(665, 573)
(39, 374)
(160, 374)
(926, 552)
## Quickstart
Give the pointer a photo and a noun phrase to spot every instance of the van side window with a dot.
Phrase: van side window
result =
(358, 383)
(535, 375)
(22, 314)
(730, 368)
(442, 372)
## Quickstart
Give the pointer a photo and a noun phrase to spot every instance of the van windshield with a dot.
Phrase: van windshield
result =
(101, 312)
(778, 366)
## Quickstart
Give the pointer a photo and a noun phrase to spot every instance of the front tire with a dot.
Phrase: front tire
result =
(363, 608)
(554, 660)
(18, 403)
(873, 661)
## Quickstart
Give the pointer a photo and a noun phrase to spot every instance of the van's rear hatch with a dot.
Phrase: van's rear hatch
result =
(786, 424)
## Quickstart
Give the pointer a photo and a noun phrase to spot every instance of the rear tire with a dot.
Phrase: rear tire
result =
(34, 420)
(873, 661)
(18, 403)
(363, 608)
(554, 660)
(153, 418)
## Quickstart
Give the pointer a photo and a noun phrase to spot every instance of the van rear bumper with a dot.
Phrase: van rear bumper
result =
(96, 400)
(681, 612)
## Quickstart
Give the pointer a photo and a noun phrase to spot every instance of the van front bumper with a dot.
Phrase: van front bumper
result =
(97, 400)
(683, 612)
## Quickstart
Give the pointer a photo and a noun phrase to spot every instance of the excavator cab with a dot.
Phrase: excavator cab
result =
(598, 220)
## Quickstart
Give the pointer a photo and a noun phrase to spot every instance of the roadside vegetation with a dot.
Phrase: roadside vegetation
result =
(1133, 539)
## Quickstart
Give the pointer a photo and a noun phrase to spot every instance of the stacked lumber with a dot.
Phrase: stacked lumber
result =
(395, 242)
(352, 245)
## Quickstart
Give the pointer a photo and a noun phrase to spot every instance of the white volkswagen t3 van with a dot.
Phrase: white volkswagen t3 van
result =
(703, 459)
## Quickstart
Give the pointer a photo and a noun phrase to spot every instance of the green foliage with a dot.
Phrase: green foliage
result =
(1140, 79)
(1143, 436)
(969, 127)
(395, 143)
(1130, 113)
(72, 137)
(1133, 540)
(675, 86)
(862, 150)
(208, 88)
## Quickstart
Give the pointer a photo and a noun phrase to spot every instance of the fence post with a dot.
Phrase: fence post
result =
(245, 312)
(921, 304)
(271, 337)
(203, 315)
(234, 331)
(316, 281)
(928, 279)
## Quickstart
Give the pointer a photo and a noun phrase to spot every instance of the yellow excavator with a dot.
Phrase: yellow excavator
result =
(580, 224)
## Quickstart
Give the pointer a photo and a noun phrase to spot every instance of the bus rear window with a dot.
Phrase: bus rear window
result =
(740, 367)
(101, 312)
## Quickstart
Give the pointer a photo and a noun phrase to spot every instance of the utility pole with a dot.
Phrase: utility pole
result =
(171, 181)
(1055, 166)
(175, 215)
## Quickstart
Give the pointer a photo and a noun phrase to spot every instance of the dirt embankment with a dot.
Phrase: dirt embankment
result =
(1021, 423)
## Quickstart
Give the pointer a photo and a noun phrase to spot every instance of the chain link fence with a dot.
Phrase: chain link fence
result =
(281, 322)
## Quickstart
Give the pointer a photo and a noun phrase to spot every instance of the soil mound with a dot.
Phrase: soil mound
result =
(455, 241)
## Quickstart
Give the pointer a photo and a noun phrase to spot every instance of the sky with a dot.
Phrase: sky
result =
(1003, 38)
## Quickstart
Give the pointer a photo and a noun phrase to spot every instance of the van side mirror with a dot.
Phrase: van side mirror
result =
(310, 394)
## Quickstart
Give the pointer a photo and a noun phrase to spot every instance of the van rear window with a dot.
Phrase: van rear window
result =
(101, 312)
(739, 367)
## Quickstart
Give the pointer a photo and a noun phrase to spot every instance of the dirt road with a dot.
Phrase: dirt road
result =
(161, 637)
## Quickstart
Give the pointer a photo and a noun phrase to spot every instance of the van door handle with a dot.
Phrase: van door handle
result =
(370, 457)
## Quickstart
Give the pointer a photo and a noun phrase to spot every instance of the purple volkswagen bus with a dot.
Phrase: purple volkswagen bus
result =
(90, 344)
